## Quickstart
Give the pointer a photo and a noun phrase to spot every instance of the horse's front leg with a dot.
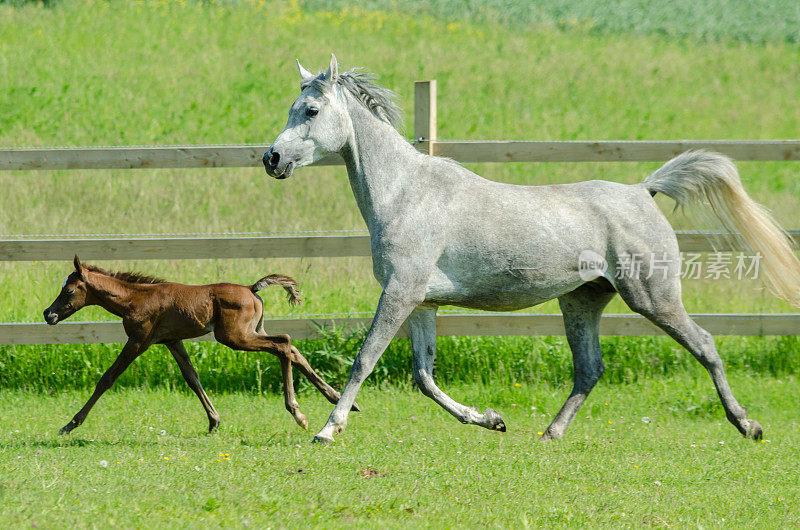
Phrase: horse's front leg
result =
(390, 315)
(422, 325)
(131, 350)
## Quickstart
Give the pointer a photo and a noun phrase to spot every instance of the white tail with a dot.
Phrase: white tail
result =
(712, 179)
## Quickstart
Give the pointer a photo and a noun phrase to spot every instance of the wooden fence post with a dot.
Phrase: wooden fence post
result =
(425, 115)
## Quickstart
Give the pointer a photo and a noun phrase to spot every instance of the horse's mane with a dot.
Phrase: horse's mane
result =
(379, 100)
(130, 277)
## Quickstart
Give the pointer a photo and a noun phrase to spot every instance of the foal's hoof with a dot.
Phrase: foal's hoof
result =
(753, 430)
(302, 421)
(355, 407)
(66, 429)
(494, 421)
(323, 440)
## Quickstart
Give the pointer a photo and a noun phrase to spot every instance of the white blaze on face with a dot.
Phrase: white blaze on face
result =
(65, 282)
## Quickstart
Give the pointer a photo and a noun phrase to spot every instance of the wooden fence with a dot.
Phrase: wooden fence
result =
(328, 246)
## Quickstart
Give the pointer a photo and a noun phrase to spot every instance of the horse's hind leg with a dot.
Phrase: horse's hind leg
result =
(422, 324)
(582, 309)
(659, 300)
(193, 380)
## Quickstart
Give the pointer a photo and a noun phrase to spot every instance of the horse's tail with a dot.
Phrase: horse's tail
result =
(711, 179)
(288, 284)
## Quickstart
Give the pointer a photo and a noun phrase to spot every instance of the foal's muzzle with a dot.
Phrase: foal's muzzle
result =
(276, 167)
(50, 317)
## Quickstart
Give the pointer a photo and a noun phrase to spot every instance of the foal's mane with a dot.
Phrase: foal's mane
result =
(130, 277)
(379, 100)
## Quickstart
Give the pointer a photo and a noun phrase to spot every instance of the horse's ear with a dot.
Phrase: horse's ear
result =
(78, 267)
(333, 70)
(305, 75)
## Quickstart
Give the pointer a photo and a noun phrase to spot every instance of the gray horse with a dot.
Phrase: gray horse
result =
(442, 235)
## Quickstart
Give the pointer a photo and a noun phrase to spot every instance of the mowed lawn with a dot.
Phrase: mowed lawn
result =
(658, 453)
(191, 72)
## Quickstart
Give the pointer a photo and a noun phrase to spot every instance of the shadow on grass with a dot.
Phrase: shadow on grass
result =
(75, 442)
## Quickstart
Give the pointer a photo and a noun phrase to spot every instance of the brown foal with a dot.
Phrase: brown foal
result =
(154, 311)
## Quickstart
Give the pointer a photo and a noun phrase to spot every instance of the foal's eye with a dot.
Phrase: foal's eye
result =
(311, 112)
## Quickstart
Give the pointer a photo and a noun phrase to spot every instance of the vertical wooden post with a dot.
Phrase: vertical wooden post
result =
(425, 115)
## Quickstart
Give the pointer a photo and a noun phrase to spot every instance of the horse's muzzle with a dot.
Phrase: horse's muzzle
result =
(272, 164)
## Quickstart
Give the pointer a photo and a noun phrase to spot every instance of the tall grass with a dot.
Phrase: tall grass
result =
(174, 72)
(502, 361)
(756, 21)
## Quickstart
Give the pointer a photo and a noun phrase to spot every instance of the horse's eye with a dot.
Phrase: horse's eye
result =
(311, 112)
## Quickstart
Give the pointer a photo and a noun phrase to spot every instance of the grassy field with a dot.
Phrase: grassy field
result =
(657, 453)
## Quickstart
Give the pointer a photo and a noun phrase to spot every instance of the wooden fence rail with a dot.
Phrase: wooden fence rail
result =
(426, 139)
(212, 156)
(327, 246)
(475, 324)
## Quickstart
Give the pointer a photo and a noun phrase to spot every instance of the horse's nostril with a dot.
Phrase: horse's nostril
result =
(274, 158)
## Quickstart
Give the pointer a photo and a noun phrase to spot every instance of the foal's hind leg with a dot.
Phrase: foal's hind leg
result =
(422, 324)
(582, 309)
(327, 390)
(288, 393)
(659, 300)
(242, 338)
(302, 364)
(193, 380)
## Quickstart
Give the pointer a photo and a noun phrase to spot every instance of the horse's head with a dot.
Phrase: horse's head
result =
(71, 298)
(318, 124)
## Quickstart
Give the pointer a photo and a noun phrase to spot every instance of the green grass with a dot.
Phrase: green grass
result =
(223, 73)
(686, 467)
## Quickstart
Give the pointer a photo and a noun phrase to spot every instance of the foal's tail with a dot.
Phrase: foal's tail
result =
(711, 179)
(288, 284)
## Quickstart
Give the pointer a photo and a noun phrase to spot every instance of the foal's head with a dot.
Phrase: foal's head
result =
(71, 298)
(319, 122)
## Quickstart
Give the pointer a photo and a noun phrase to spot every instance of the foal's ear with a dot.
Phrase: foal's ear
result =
(305, 75)
(78, 267)
(333, 70)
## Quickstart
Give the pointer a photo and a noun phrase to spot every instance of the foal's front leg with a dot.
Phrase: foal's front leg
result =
(193, 380)
(132, 349)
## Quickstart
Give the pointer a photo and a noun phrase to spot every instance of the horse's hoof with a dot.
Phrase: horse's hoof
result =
(355, 407)
(302, 421)
(753, 430)
(494, 421)
(318, 439)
